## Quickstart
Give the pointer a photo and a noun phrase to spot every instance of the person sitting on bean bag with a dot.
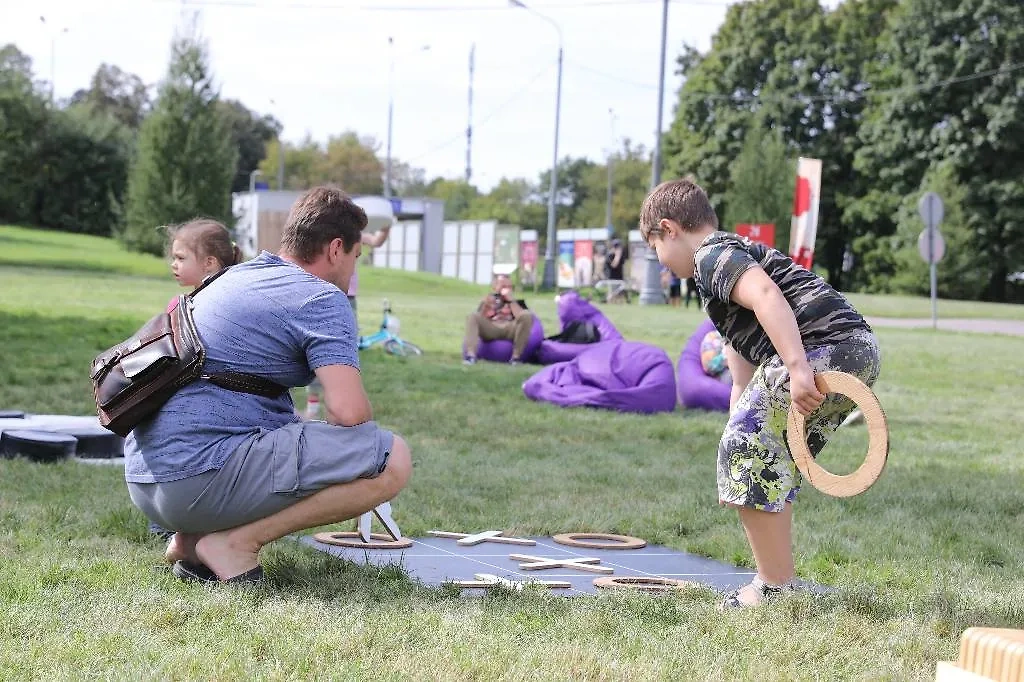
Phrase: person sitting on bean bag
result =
(499, 316)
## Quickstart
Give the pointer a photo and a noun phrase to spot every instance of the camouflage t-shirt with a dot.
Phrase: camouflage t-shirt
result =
(823, 315)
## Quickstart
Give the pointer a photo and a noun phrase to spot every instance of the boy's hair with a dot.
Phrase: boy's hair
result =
(318, 217)
(207, 237)
(682, 201)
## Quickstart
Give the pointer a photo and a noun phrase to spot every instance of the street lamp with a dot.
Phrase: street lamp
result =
(549, 252)
(280, 154)
(391, 109)
(651, 292)
(252, 179)
(611, 171)
(53, 59)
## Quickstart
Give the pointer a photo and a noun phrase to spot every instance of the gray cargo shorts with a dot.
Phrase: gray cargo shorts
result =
(270, 472)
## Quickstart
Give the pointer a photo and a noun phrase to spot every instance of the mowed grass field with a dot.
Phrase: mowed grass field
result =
(936, 546)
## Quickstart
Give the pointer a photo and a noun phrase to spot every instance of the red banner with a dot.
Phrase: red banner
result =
(762, 234)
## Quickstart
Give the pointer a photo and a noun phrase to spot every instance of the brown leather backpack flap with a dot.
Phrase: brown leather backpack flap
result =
(150, 349)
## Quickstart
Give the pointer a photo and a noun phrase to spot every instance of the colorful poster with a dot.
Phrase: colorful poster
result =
(584, 267)
(528, 259)
(566, 276)
(506, 249)
(762, 234)
(805, 211)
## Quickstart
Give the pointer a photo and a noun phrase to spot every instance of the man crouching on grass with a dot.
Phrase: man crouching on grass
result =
(232, 471)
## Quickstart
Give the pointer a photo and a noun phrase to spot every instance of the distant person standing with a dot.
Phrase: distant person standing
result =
(674, 290)
(615, 264)
(691, 291)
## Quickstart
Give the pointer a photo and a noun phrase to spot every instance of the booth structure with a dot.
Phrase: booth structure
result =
(421, 240)
(414, 242)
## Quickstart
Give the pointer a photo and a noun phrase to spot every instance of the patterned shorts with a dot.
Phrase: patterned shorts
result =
(755, 467)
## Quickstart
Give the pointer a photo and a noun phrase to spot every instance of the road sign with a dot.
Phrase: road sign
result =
(930, 244)
(931, 209)
(937, 248)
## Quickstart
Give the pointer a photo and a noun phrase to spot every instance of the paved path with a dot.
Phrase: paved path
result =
(1014, 327)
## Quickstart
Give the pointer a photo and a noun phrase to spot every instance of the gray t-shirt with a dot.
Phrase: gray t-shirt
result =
(266, 317)
(823, 315)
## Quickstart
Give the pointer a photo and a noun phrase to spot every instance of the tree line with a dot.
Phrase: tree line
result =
(896, 98)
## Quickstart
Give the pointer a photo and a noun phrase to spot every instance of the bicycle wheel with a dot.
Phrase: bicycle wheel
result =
(402, 348)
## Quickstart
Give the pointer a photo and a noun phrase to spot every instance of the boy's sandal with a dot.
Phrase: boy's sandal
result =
(767, 593)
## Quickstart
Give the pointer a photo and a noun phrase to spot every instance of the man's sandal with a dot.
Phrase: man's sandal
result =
(190, 572)
(766, 592)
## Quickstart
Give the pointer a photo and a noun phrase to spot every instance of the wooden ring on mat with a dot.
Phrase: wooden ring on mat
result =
(578, 540)
(878, 438)
(643, 583)
(350, 538)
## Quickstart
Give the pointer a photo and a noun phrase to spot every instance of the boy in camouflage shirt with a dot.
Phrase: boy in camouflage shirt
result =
(782, 325)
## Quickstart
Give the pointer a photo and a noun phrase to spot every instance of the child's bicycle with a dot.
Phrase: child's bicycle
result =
(388, 335)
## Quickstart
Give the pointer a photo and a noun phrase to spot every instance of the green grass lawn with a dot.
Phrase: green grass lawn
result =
(937, 545)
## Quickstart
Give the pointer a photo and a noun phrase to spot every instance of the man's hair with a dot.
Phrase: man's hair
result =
(318, 217)
(682, 201)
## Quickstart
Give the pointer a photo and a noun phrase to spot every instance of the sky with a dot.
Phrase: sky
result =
(322, 67)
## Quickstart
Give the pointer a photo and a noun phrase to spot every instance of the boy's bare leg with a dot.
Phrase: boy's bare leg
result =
(236, 550)
(770, 535)
(182, 547)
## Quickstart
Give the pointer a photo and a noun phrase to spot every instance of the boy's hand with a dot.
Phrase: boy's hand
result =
(803, 391)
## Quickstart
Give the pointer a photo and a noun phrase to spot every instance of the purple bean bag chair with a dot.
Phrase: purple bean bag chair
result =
(572, 308)
(501, 350)
(627, 376)
(696, 389)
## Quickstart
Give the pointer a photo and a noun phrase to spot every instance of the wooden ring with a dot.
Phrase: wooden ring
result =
(350, 538)
(578, 540)
(878, 438)
(643, 583)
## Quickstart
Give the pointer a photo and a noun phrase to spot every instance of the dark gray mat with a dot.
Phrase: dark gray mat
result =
(435, 560)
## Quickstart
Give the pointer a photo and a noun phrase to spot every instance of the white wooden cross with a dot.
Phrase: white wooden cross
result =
(383, 513)
(490, 580)
(467, 539)
(537, 563)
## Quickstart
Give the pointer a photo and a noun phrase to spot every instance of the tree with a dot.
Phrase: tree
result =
(23, 114)
(946, 94)
(186, 157)
(761, 184)
(856, 28)
(572, 192)
(765, 60)
(511, 202)
(116, 93)
(250, 134)
(961, 273)
(631, 178)
(83, 172)
(348, 161)
(457, 195)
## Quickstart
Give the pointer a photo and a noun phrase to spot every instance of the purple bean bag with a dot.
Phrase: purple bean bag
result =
(501, 350)
(696, 389)
(572, 308)
(627, 376)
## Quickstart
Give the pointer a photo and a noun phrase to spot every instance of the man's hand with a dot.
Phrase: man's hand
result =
(803, 391)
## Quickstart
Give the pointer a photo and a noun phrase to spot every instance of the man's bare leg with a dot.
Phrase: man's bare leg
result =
(182, 547)
(234, 551)
(770, 535)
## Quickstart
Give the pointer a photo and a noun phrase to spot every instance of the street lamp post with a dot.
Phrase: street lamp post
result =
(651, 292)
(611, 174)
(252, 179)
(549, 279)
(53, 60)
(280, 156)
(391, 109)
